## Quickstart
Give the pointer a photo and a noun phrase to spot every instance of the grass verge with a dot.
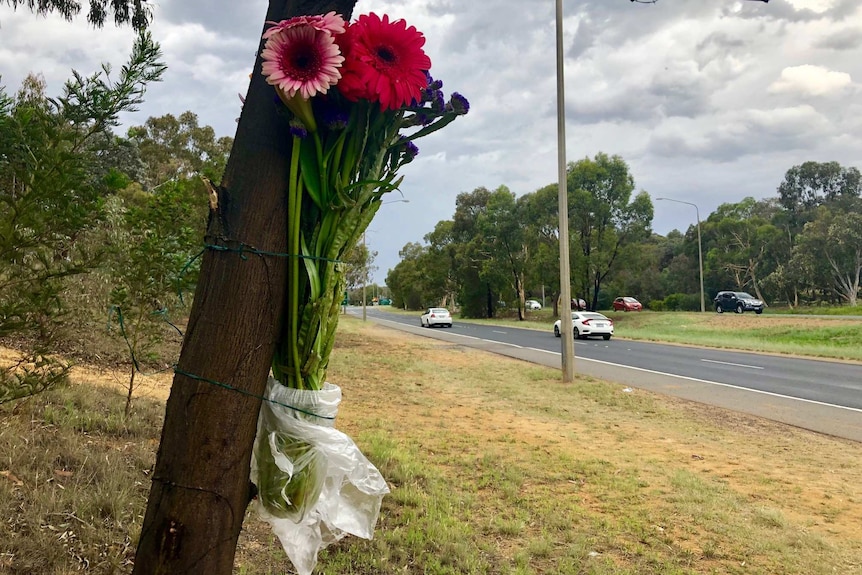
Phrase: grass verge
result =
(494, 465)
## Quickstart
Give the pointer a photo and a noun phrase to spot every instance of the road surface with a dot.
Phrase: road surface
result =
(823, 396)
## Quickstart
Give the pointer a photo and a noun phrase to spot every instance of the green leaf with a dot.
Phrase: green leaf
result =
(310, 170)
(431, 128)
(311, 269)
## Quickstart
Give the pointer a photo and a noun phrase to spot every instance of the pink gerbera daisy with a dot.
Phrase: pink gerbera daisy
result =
(384, 62)
(331, 22)
(301, 60)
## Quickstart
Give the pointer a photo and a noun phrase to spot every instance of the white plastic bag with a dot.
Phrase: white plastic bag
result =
(336, 491)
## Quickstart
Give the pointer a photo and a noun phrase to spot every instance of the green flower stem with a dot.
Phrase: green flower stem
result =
(294, 210)
(324, 181)
(336, 185)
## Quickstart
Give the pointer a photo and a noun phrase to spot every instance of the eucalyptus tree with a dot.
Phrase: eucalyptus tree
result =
(178, 147)
(539, 213)
(831, 245)
(745, 239)
(138, 13)
(678, 262)
(406, 279)
(51, 194)
(359, 263)
(501, 231)
(811, 184)
(638, 273)
(477, 266)
(439, 263)
(604, 218)
(805, 187)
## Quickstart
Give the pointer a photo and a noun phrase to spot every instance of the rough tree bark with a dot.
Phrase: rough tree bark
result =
(200, 484)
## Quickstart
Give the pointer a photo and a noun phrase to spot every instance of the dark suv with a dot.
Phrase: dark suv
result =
(737, 301)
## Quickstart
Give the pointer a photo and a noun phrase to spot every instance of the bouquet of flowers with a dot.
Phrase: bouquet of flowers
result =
(357, 96)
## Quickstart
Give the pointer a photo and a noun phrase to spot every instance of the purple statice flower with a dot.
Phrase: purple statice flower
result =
(432, 83)
(410, 149)
(458, 104)
(330, 113)
(429, 93)
(297, 128)
(438, 101)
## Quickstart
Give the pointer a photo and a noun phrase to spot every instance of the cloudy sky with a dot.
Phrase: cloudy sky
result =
(709, 101)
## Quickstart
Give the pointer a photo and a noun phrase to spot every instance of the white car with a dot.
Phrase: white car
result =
(587, 323)
(436, 316)
(532, 305)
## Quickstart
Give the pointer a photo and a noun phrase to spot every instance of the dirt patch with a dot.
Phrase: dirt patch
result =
(155, 384)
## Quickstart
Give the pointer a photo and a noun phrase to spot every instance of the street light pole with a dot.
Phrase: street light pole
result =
(567, 336)
(364, 275)
(699, 248)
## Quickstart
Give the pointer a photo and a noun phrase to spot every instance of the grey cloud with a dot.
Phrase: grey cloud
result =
(847, 39)
(230, 18)
(720, 42)
(748, 134)
(641, 104)
(585, 38)
(783, 11)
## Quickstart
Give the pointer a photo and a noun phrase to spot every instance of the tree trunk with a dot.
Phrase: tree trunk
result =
(201, 487)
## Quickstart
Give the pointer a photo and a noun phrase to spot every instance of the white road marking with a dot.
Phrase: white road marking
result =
(731, 386)
(733, 364)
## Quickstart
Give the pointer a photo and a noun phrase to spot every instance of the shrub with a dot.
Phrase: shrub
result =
(681, 302)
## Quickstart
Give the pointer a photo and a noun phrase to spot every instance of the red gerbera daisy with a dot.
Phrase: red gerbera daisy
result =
(384, 62)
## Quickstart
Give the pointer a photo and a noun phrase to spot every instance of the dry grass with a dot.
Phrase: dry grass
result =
(495, 467)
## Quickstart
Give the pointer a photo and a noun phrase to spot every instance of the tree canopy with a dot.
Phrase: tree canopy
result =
(138, 13)
(498, 249)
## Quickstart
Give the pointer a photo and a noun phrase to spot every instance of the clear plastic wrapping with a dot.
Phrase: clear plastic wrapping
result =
(314, 484)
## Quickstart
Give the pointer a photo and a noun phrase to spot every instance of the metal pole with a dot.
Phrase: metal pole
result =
(699, 248)
(364, 275)
(700, 260)
(566, 336)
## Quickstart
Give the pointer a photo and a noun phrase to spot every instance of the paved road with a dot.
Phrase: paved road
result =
(823, 396)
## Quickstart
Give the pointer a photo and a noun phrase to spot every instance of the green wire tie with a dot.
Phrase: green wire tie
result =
(242, 250)
(247, 393)
(163, 313)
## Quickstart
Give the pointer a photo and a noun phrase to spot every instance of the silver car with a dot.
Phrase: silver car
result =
(587, 323)
(436, 316)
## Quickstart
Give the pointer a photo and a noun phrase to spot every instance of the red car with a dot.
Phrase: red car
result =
(627, 304)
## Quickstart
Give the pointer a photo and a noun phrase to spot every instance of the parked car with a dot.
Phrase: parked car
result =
(737, 301)
(627, 304)
(385, 301)
(587, 323)
(436, 316)
(577, 304)
(532, 305)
